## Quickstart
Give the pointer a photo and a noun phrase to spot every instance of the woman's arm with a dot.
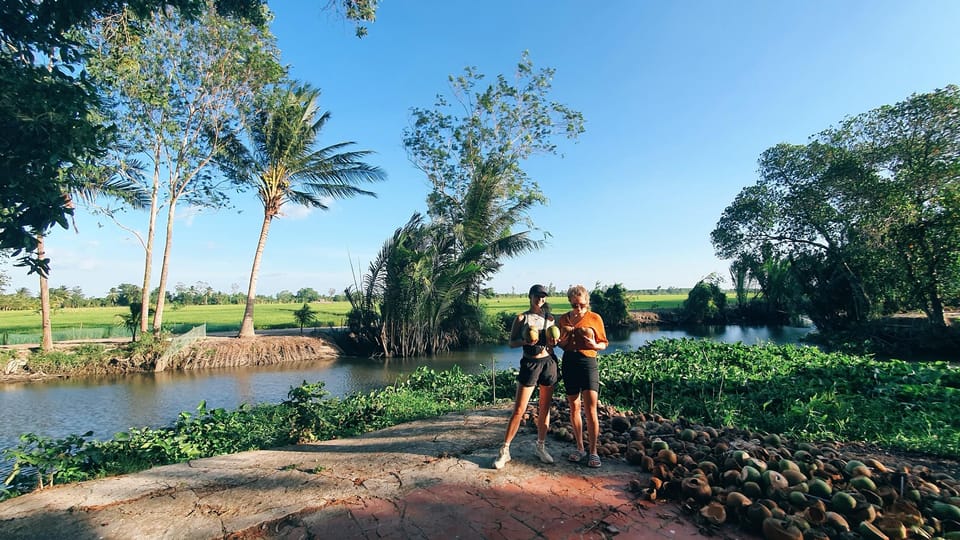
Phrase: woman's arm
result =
(516, 340)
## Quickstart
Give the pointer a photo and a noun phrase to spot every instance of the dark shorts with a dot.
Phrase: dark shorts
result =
(580, 373)
(542, 371)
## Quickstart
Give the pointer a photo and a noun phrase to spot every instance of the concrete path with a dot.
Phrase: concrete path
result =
(429, 479)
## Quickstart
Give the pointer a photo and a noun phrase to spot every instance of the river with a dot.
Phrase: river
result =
(108, 405)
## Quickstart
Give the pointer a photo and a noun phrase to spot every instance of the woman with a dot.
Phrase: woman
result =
(581, 336)
(537, 367)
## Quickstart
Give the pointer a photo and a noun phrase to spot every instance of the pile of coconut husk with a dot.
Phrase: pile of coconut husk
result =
(772, 486)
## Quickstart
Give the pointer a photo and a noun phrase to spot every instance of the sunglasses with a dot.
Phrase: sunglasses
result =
(578, 306)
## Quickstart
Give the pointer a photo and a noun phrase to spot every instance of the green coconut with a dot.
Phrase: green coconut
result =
(772, 439)
(749, 474)
(942, 510)
(819, 488)
(863, 482)
(773, 481)
(843, 502)
(688, 435)
(851, 465)
(752, 489)
(797, 498)
(659, 444)
(794, 477)
(787, 465)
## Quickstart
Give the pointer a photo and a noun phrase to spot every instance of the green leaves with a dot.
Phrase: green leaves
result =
(864, 217)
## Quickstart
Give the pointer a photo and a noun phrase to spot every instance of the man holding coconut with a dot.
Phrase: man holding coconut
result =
(538, 367)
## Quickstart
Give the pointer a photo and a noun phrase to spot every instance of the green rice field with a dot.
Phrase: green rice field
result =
(105, 322)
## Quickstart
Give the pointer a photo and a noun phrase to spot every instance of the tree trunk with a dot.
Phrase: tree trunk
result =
(164, 269)
(246, 325)
(148, 257)
(46, 342)
(935, 306)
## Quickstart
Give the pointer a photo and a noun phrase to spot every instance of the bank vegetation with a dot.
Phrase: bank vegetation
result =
(799, 392)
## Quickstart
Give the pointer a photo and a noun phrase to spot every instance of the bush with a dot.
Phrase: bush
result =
(612, 305)
(706, 303)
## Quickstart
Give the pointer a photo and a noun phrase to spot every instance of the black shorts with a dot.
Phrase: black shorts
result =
(580, 373)
(542, 371)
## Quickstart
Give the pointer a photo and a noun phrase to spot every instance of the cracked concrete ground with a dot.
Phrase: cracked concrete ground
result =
(427, 479)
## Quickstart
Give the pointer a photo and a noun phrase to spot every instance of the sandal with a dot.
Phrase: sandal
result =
(594, 461)
(577, 456)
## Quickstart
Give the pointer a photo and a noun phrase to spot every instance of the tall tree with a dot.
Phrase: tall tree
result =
(46, 110)
(914, 146)
(864, 218)
(285, 166)
(806, 204)
(472, 150)
(178, 86)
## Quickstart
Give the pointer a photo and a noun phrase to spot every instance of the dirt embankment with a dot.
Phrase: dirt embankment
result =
(219, 352)
(267, 348)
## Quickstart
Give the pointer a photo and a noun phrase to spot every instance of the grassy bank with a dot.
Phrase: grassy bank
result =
(797, 391)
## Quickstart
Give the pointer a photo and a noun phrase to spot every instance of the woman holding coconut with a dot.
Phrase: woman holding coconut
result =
(538, 367)
(581, 336)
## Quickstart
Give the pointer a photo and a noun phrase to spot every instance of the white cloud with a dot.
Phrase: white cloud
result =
(297, 211)
(188, 214)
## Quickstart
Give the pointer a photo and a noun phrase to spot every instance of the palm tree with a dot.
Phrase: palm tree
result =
(284, 166)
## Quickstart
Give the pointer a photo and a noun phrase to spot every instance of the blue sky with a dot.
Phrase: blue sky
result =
(680, 98)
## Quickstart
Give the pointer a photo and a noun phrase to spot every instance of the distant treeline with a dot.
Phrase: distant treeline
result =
(202, 294)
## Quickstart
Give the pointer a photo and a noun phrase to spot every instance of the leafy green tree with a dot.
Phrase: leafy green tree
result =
(473, 161)
(612, 305)
(863, 220)
(177, 87)
(807, 203)
(48, 110)
(914, 146)
(305, 317)
(411, 302)
(706, 302)
(307, 294)
(285, 165)
(427, 279)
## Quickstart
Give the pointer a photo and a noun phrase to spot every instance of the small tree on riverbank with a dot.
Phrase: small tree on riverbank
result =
(305, 317)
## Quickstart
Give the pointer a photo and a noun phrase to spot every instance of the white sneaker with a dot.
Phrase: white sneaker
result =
(502, 458)
(542, 453)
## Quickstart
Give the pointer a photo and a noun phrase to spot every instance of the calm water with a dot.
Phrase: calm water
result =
(110, 405)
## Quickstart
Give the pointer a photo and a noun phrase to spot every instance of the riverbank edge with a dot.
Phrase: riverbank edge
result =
(214, 351)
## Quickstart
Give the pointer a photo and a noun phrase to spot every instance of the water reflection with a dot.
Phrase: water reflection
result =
(108, 405)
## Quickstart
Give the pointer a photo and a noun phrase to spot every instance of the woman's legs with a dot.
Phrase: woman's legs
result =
(593, 423)
(543, 423)
(575, 421)
(543, 417)
(519, 407)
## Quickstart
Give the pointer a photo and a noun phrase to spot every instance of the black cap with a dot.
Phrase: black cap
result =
(538, 290)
